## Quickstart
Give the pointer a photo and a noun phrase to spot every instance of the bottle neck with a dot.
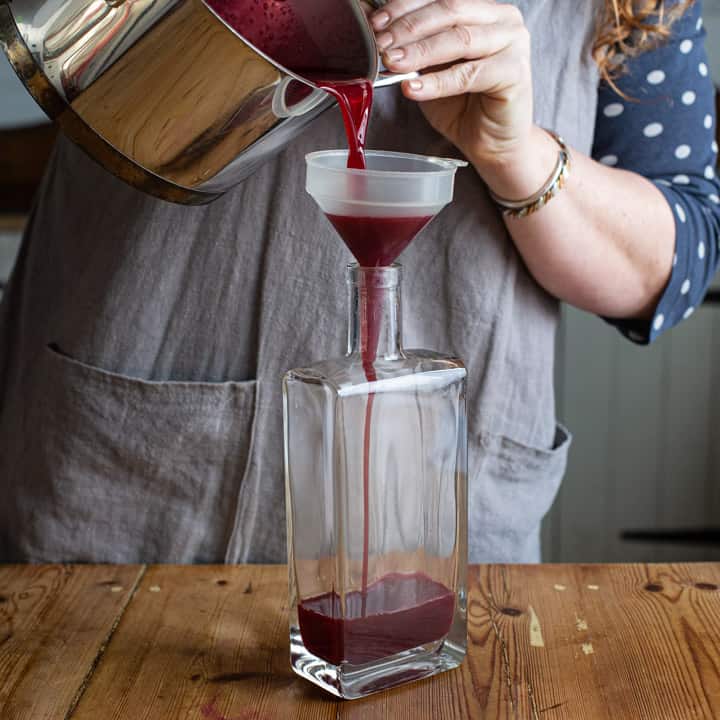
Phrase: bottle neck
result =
(375, 325)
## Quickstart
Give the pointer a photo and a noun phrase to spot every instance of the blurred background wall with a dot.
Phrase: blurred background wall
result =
(646, 425)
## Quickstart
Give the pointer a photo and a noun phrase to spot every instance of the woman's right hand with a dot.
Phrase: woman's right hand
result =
(476, 86)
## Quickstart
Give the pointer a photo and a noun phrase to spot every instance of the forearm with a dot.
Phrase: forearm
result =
(605, 243)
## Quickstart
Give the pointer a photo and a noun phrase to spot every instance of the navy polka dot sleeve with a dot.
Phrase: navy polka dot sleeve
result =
(665, 131)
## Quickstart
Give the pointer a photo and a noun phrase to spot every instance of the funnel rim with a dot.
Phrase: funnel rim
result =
(446, 166)
(373, 203)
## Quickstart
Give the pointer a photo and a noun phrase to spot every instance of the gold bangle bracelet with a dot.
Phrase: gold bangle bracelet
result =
(551, 187)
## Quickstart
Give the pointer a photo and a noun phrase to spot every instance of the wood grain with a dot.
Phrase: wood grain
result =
(54, 622)
(546, 642)
(624, 641)
(201, 642)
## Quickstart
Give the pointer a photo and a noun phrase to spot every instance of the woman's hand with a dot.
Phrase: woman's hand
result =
(476, 88)
(590, 245)
(605, 243)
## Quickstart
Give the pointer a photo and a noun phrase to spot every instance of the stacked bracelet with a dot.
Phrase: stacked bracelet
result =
(553, 185)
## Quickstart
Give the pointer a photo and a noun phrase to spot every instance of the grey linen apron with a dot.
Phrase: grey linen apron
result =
(142, 344)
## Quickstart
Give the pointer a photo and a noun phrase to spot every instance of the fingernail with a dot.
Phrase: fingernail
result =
(395, 54)
(415, 84)
(380, 20)
(384, 41)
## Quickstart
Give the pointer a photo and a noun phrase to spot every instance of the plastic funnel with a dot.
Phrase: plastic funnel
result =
(379, 210)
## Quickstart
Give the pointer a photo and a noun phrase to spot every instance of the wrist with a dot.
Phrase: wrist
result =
(518, 173)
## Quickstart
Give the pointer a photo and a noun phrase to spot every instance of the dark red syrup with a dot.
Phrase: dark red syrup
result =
(354, 98)
(401, 612)
(320, 41)
(377, 241)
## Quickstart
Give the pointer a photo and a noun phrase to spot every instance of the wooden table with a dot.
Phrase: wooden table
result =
(581, 642)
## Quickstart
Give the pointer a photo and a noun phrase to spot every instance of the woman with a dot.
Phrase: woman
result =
(143, 343)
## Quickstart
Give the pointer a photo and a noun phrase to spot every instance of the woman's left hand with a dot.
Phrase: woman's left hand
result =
(476, 88)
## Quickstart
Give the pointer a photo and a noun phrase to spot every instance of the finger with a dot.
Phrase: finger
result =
(461, 42)
(442, 15)
(383, 16)
(488, 75)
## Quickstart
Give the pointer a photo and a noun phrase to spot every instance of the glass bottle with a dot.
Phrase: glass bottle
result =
(376, 488)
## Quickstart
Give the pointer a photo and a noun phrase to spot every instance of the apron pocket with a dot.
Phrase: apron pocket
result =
(127, 470)
(510, 492)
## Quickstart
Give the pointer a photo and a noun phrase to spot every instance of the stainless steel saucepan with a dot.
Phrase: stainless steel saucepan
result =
(163, 93)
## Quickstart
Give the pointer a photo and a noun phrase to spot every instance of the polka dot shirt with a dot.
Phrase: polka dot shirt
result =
(666, 131)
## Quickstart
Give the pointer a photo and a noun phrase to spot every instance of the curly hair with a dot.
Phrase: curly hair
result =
(629, 27)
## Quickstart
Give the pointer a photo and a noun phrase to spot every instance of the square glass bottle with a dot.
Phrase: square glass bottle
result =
(376, 487)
